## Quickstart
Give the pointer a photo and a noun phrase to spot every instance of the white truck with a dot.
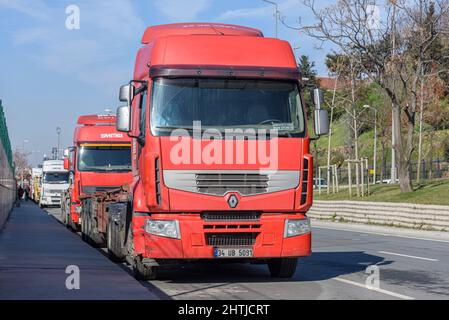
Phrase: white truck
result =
(55, 180)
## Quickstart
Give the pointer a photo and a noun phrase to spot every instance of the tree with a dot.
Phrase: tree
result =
(308, 71)
(392, 54)
(21, 164)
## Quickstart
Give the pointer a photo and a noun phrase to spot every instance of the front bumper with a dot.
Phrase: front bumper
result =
(195, 243)
(51, 200)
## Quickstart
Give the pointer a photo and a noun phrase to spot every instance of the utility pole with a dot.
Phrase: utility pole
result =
(58, 131)
(276, 15)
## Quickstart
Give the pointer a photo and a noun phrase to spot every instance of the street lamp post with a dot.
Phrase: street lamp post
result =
(58, 131)
(375, 142)
(276, 15)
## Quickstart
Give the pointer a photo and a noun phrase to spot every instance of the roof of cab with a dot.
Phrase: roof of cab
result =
(205, 28)
(214, 50)
(99, 134)
(96, 119)
(98, 128)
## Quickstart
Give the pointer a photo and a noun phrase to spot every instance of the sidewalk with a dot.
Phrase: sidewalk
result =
(35, 250)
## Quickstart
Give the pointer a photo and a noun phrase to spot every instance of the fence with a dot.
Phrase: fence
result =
(7, 180)
(426, 217)
(435, 169)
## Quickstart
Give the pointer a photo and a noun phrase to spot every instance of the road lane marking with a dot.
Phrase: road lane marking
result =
(407, 256)
(390, 293)
(383, 234)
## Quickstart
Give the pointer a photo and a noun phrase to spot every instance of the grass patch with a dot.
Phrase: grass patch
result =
(428, 192)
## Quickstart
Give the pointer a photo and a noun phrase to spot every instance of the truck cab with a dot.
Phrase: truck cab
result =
(220, 149)
(54, 181)
(98, 161)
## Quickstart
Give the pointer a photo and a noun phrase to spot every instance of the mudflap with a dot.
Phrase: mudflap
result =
(117, 229)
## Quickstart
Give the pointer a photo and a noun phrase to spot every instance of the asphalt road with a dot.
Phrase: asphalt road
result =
(410, 265)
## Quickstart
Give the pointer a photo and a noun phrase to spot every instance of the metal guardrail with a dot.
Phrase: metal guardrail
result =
(416, 216)
(7, 180)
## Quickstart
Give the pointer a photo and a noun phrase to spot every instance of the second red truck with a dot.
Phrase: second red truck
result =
(99, 161)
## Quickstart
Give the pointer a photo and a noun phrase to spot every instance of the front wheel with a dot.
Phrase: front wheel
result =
(282, 267)
(143, 272)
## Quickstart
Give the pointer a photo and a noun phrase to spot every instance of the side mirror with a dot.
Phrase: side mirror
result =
(123, 119)
(126, 94)
(66, 163)
(66, 153)
(321, 121)
(318, 98)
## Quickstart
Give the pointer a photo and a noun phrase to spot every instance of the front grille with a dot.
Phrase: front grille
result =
(231, 239)
(55, 191)
(157, 181)
(231, 216)
(305, 179)
(220, 183)
(93, 189)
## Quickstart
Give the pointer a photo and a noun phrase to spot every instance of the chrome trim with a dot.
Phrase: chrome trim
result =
(274, 181)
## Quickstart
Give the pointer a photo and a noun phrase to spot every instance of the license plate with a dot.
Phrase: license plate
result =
(232, 253)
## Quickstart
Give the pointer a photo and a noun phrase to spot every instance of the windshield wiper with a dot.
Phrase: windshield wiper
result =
(172, 128)
(111, 169)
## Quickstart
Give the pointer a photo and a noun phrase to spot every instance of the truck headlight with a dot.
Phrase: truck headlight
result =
(78, 209)
(163, 228)
(296, 227)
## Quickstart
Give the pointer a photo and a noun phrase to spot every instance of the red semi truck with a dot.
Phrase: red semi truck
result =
(99, 162)
(220, 152)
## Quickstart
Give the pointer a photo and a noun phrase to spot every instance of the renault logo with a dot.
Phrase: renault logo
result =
(233, 201)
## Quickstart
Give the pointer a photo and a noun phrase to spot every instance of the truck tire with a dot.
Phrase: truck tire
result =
(71, 225)
(83, 226)
(115, 242)
(143, 272)
(282, 267)
(65, 217)
(93, 238)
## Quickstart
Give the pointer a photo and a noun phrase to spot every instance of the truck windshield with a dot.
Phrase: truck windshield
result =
(56, 177)
(104, 158)
(226, 103)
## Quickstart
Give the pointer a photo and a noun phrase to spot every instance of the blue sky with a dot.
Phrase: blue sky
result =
(50, 75)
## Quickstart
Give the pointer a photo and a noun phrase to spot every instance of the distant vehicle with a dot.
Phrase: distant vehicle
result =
(55, 180)
(35, 184)
(317, 182)
(385, 181)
